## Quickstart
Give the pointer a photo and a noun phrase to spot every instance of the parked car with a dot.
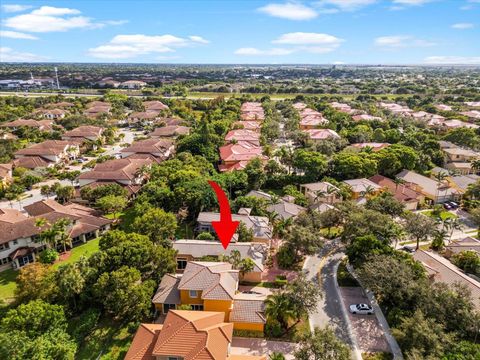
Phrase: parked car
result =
(453, 204)
(408, 249)
(447, 206)
(362, 309)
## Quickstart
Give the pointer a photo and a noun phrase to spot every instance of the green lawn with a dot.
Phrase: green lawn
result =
(8, 285)
(86, 249)
(443, 215)
(109, 340)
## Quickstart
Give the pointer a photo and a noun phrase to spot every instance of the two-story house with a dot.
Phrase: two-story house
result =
(321, 192)
(186, 335)
(156, 148)
(212, 286)
(126, 172)
(260, 225)
(460, 160)
(20, 241)
(83, 133)
(195, 250)
(47, 153)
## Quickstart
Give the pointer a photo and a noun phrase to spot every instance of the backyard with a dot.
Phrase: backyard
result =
(8, 277)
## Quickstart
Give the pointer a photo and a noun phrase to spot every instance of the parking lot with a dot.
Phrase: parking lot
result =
(369, 334)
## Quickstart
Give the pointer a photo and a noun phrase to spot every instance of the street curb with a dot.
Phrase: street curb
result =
(356, 353)
(382, 321)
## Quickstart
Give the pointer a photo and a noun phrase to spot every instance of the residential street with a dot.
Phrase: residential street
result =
(329, 309)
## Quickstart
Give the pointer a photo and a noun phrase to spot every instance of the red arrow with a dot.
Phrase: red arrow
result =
(226, 227)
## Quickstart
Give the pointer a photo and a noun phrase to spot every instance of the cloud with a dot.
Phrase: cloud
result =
(401, 41)
(257, 52)
(198, 39)
(453, 60)
(9, 55)
(316, 43)
(16, 35)
(463, 26)
(129, 46)
(53, 19)
(10, 8)
(346, 5)
(289, 10)
(412, 2)
(304, 38)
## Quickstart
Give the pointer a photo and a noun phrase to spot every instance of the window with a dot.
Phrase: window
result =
(5, 261)
(197, 307)
(173, 358)
(4, 246)
(181, 264)
(15, 242)
(167, 307)
(193, 294)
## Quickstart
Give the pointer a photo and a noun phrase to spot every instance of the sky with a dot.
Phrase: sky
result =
(242, 32)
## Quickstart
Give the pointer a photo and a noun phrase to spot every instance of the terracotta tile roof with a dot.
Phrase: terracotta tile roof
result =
(240, 152)
(243, 135)
(40, 124)
(143, 115)
(152, 146)
(283, 208)
(401, 192)
(249, 125)
(84, 131)
(465, 244)
(51, 211)
(322, 134)
(31, 162)
(143, 342)
(216, 280)
(170, 131)
(11, 216)
(117, 169)
(194, 335)
(132, 189)
(154, 105)
(47, 147)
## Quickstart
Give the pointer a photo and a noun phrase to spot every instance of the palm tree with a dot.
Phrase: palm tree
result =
(320, 194)
(440, 177)
(278, 307)
(452, 224)
(439, 237)
(475, 165)
(368, 192)
(277, 356)
(398, 181)
(62, 235)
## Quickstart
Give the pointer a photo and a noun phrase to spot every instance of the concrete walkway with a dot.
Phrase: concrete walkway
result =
(259, 347)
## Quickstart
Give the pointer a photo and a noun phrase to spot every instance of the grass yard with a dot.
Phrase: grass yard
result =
(8, 285)
(109, 340)
(443, 215)
(86, 249)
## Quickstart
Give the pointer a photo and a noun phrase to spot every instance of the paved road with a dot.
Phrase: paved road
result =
(329, 311)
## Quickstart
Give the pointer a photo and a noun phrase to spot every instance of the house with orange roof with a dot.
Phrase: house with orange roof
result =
(370, 145)
(212, 286)
(157, 148)
(42, 125)
(50, 152)
(317, 135)
(243, 135)
(249, 125)
(83, 133)
(237, 156)
(186, 335)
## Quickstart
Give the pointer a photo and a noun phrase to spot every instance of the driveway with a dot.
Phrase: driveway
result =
(329, 312)
(258, 347)
(369, 334)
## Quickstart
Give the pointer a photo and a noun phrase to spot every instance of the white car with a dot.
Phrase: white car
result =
(362, 309)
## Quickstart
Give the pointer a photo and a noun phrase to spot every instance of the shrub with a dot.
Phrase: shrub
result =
(205, 236)
(48, 256)
(273, 329)
(85, 324)
(286, 257)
